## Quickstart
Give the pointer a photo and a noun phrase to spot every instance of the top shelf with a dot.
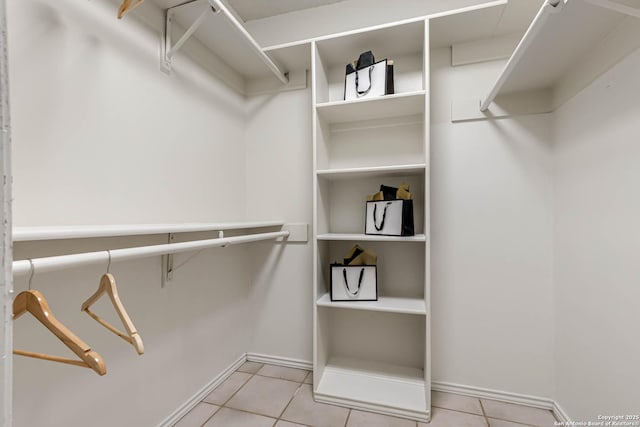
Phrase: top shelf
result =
(233, 46)
(25, 234)
(404, 38)
(554, 46)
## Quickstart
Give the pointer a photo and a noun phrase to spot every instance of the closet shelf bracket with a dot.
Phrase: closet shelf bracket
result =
(167, 263)
(168, 48)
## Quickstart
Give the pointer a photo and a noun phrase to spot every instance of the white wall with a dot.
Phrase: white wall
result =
(279, 174)
(102, 136)
(491, 227)
(597, 236)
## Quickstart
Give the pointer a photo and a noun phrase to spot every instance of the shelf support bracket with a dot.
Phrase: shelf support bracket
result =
(167, 263)
(168, 48)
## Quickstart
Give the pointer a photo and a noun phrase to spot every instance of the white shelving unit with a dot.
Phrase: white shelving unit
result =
(359, 145)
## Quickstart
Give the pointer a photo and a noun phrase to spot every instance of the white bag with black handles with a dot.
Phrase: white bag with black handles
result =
(354, 283)
(389, 218)
(369, 78)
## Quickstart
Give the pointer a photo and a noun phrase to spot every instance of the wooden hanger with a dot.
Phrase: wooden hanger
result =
(108, 286)
(35, 303)
(127, 6)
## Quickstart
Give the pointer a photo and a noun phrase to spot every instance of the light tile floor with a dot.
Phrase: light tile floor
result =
(258, 395)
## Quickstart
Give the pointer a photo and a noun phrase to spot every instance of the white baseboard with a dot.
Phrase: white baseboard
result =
(560, 414)
(485, 393)
(503, 396)
(202, 393)
(280, 361)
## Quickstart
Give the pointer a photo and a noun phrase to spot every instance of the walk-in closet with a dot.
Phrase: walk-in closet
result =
(320, 213)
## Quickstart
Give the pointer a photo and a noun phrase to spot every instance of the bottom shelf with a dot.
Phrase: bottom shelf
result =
(382, 388)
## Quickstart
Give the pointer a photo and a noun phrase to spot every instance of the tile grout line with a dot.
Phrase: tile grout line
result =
(458, 410)
(289, 402)
(486, 419)
(502, 419)
(283, 379)
(348, 416)
(279, 418)
(230, 397)
(212, 415)
(513, 422)
(239, 388)
(226, 401)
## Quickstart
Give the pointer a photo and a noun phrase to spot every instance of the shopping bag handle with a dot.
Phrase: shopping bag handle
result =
(364, 92)
(346, 282)
(384, 215)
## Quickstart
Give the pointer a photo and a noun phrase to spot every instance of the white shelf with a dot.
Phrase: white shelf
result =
(555, 47)
(291, 56)
(371, 238)
(368, 385)
(219, 35)
(384, 304)
(382, 107)
(386, 41)
(373, 171)
(475, 23)
(21, 234)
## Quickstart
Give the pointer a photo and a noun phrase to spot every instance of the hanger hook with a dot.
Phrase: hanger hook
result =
(32, 272)
(109, 264)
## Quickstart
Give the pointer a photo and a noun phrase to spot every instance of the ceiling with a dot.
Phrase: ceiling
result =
(257, 9)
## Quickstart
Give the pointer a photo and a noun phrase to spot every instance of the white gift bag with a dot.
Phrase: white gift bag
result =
(367, 82)
(390, 218)
(354, 283)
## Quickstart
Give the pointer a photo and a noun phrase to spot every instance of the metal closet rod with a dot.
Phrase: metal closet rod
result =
(54, 263)
(549, 7)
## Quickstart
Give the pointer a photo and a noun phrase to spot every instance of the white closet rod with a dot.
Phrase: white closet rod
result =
(85, 231)
(62, 262)
(217, 4)
(549, 7)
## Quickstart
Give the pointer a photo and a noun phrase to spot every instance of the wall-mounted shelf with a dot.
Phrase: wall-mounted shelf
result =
(397, 105)
(24, 234)
(554, 54)
(370, 238)
(235, 57)
(385, 304)
(374, 171)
